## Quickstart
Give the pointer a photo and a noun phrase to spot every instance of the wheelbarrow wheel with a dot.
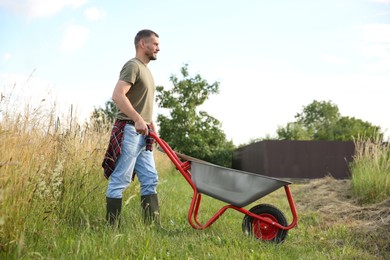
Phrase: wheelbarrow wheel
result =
(262, 230)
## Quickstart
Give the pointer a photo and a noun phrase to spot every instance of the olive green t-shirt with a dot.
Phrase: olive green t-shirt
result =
(141, 93)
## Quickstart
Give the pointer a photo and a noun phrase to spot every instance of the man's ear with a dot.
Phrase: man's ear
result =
(142, 43)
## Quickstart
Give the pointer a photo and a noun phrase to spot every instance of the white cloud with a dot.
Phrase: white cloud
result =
(94, 14)
(75, 37)
(379, 66)
(376, 50)
(376, 46)
(334, 59)
(40, 8)
(380, 14)
(381, 1)
(6, 56)
(378, 33)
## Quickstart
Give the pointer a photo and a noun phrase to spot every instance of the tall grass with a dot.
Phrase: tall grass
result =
(371, 171)
(46, 166)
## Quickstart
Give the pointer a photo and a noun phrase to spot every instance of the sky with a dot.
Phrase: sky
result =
(271, 58)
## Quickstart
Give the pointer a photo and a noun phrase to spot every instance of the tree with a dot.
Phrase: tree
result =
(102, 117)
(188, 130)
(347, 127)
(293, 131)
(322, 121)
(318, 118)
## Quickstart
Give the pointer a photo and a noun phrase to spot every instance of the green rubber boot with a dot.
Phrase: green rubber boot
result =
(114, 207)
(150, 209)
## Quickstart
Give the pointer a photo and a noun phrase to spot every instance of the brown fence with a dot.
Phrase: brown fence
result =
(296, 159)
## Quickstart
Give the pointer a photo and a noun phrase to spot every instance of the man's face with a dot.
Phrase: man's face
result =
(152, 47)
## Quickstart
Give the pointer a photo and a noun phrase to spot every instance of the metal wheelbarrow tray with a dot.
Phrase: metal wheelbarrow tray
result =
(235, 187)
(238, 189)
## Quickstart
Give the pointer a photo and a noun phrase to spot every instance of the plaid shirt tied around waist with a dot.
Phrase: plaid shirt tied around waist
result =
(114, 148)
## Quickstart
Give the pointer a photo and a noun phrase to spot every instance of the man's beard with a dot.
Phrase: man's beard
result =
(152, 56)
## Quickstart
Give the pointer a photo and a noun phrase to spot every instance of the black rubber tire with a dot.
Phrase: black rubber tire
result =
(250, 226)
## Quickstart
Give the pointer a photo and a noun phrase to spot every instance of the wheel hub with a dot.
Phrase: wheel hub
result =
(263, 230)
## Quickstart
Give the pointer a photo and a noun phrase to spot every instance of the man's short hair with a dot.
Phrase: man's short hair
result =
(143, 34)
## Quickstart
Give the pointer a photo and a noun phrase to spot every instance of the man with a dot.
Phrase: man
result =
(127, 153)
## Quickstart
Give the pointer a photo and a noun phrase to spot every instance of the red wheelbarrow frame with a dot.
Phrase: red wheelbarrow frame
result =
(184, 167)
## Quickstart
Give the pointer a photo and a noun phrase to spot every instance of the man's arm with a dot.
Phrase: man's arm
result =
(153, 128)
(124, 105)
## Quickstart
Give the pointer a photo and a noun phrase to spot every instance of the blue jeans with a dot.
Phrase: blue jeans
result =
(134, 157)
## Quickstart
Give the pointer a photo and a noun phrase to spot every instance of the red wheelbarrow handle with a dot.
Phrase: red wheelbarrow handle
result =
(182, 167)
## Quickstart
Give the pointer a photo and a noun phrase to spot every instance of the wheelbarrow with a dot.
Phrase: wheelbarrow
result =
(236, 188)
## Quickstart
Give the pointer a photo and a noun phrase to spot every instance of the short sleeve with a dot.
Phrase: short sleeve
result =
(129, 72)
